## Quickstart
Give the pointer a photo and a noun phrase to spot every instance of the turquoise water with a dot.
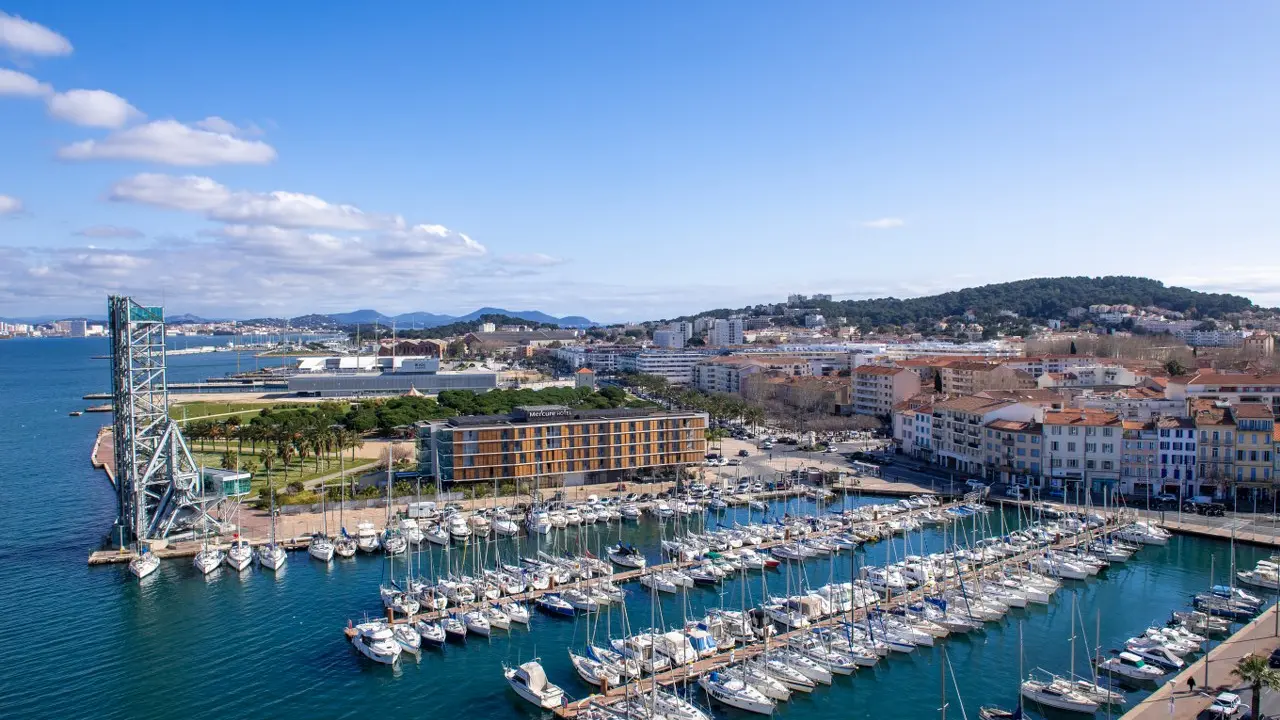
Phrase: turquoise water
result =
(92, 642)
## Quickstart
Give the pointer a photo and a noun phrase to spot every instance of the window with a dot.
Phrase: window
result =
(1053, 446)
(1109, 448)
(1071, 447)
(1164, 459)
(1091, 431)
(1056, 429)
(1035, 452)
(1073, 431)
(1089, 464)
(1164, 446)
(1073, 463)
(1106, 431)
(1106, 464)
(1022, 451)
(1164, 433)
(1091, 447)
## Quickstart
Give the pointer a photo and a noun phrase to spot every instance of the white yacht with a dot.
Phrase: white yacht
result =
(539, 523)
(344, 547)
(375, 641)
(145, 564)
(366, 537)
(407, 637)
(504, 526)
(1056, 696)
(458, 527)
(437, 534)
(517, 612)
(393, 543)
(207, 560)
(320, 548)
(627, 555)
(240, 556)
(530, 682)
(476, 622)
(736, 692)
(409, 529)
(1129, 665)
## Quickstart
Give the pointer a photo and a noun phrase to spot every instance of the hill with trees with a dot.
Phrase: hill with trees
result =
(1035, 299)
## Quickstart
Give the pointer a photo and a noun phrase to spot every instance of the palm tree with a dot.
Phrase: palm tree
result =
(1254, 670)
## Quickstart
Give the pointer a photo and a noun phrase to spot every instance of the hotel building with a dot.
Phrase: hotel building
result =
(554, 442)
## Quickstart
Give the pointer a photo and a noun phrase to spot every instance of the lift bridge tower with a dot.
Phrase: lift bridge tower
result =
(158, 484)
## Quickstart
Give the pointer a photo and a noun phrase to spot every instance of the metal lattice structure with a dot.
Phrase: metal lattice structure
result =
(158, 483)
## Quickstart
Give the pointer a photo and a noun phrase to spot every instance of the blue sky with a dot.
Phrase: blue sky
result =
(627, 162)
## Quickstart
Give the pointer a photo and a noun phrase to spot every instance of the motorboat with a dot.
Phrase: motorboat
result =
(376, 641)
(207, 560)
(367, 537)
(736, 692)
(1128, 665)
(675, 645)
(640, 649)
(408, 527)
(432, 633)
(529, 681)
(480, 524)
(321, 547)
(1145, 533)
(553, 604)
(1055, 696)
(240, 554)
(701, 639)
(627, 555)
(458, 527)
(580, 600)
(504, 526)
(144, 564)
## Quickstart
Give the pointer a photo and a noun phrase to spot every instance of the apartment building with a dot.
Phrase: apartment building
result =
(1083, 448)
(1235, 388)
(958, 428)
(669, 338)
(1013, 451)
(1037, 365)
(1089, 377)
(1131, 403)
(674, 365)
(1177, 438)
(912, 422)
(878, 388)
(727, 332)
(557, 444)
(968, 378)
(1216, 427)
(1255, 427)
(727, 373)
(1139, 459)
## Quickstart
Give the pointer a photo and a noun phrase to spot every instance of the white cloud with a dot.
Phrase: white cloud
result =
(297, 210)
(216, 124)
(9, 205)
(92, 108)
(172, 143)
(887, 223)
(110, 231)
(28, 38)
(13, 82)
(189, 192)
(529, 260)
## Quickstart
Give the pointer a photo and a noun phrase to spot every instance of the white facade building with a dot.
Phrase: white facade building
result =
(674, 365)
(669, 338)
(727, 332)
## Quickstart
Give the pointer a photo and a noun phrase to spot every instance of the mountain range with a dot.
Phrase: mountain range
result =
(429, 320)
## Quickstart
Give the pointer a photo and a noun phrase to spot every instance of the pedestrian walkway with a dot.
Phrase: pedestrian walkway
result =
(1175, 701)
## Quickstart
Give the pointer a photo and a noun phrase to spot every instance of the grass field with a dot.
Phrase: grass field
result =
(185, 412)
(304, 471)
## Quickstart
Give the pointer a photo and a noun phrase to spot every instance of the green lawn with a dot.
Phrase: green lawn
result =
(196, 410)
(298, 470)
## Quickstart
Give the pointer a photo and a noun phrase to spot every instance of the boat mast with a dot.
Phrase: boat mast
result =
(942, 677)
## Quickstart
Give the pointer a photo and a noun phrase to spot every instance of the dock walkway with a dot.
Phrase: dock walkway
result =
(1174, 701)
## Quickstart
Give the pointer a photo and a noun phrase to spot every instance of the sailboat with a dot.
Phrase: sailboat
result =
(321, 547)
(144, 564)
(345, 546)
(272, 556)
(209, 558)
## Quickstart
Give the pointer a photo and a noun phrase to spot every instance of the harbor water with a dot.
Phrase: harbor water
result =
(95, 642)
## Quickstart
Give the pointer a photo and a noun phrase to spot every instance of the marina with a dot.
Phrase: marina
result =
(230, 622)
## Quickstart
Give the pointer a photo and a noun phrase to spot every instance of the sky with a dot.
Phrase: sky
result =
(627, 161)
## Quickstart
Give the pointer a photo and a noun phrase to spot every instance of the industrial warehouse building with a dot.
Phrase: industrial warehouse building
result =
(559, 443)
(420, 375)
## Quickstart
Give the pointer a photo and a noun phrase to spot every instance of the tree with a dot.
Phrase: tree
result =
(937, 381)
(230, 460)
(1175, 367)
(1254, 670)
(1073, 347)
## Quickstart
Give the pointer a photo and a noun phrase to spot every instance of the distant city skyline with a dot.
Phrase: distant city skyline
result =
(627, 163)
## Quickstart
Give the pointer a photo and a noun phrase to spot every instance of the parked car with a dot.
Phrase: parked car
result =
(974, 485)
(1226, 705)
(744, 453)
(1016, 491)
(1274, 660)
